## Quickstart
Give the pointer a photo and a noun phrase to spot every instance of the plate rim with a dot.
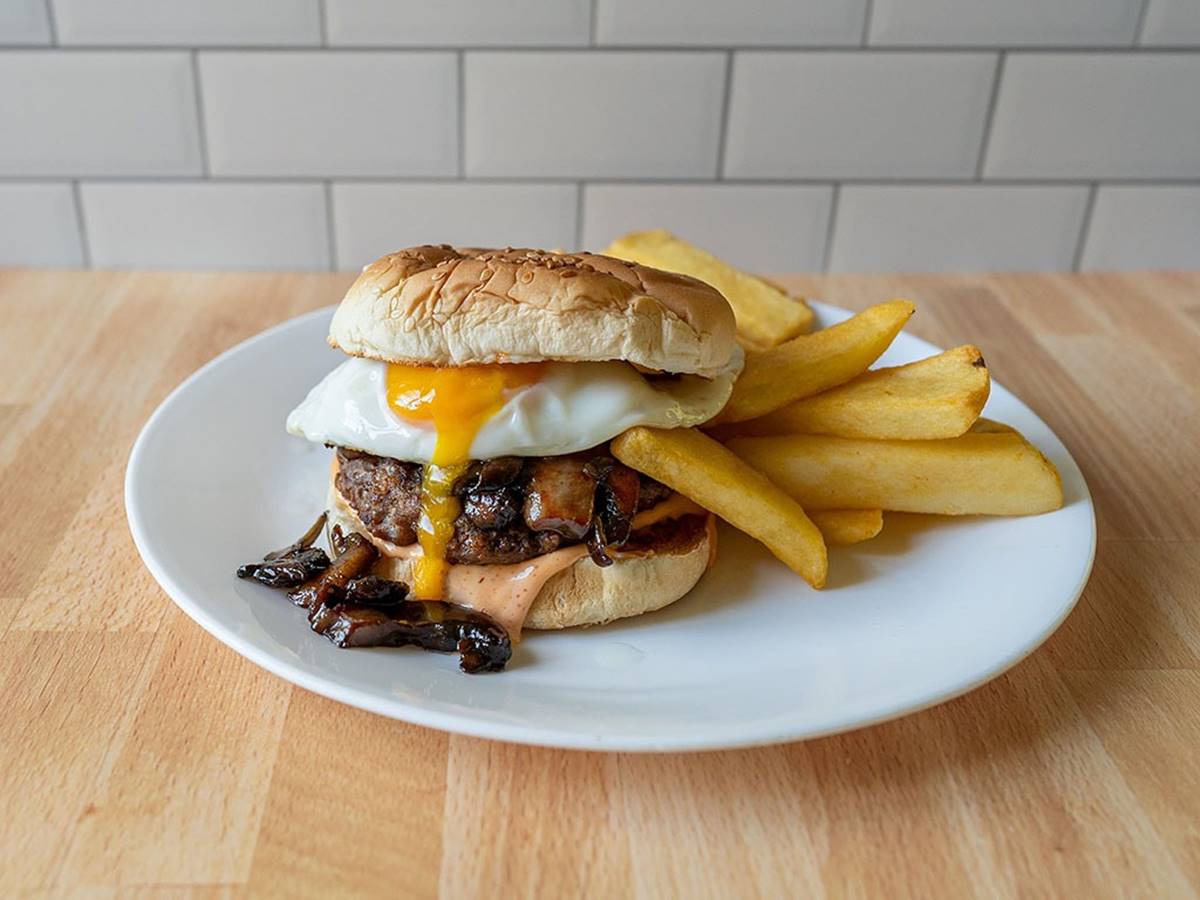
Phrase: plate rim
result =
(539, 735)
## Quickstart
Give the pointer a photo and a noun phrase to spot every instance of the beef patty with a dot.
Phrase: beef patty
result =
(513, 508)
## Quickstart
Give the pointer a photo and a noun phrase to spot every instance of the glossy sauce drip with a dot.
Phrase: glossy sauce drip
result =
(457, 402)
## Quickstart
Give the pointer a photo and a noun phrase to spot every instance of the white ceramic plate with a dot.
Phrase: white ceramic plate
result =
(927, 611)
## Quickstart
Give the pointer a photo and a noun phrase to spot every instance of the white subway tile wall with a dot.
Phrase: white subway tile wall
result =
(330, 113)
(576, 115)
(994, 23)
(906, 228)
(97, 113)
(1097, 116)
(1171, 23)
(39, 226)
(456, 23)
(373, 218)
(724, 23)
(766, 228)
(187, 22)
(1145, 227)
(201, 225)
(850, 135)
(24, 22)
(893, 114)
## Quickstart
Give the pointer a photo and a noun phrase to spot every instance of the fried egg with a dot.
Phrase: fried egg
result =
(534, 409)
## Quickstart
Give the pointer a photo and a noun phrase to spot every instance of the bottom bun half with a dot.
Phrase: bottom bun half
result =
(584, 593)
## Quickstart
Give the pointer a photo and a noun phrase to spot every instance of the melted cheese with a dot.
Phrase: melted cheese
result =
(674, 507)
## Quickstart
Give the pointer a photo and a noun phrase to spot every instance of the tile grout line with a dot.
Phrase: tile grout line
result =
(593, 14)
(201, 126)
(990, 117)
(868, 15)
(723, 127)
(52, 23)
(835, 203)
(323, 22)
(646, 180)
(1085, 226)
(85, 247)
(1140, 28)
(330, 231)
(579, 194)
(639, 49)
(461, 99)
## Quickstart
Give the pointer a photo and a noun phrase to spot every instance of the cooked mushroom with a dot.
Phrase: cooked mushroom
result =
(483, 645)
(560, 497)
(492, 510)
(617, 502)
(371, 590)
(353, 561)
(292, 565)
(490, 475)
(337, 540)
(305, 540)
(597, 543)
(354, 609)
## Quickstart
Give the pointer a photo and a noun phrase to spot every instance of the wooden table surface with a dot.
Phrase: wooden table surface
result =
(136, 752)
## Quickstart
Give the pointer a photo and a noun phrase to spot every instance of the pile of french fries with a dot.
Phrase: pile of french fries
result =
(814, 445)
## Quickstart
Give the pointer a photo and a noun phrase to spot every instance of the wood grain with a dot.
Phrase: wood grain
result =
(141, 758)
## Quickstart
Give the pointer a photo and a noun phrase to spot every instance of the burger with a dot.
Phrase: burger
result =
(470, 426)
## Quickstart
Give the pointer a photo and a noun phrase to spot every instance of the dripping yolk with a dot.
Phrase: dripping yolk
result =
(457, 402)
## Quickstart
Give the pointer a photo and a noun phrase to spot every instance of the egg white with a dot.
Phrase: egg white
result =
(575, 406)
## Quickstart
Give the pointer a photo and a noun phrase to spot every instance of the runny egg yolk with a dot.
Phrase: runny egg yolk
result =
(457, 402)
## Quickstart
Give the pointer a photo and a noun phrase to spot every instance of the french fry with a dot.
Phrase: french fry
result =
(812, 363)
(765, 315)
(990, 426)
(998, 473)
(701, 469)
(939, 397)
(847, 526)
